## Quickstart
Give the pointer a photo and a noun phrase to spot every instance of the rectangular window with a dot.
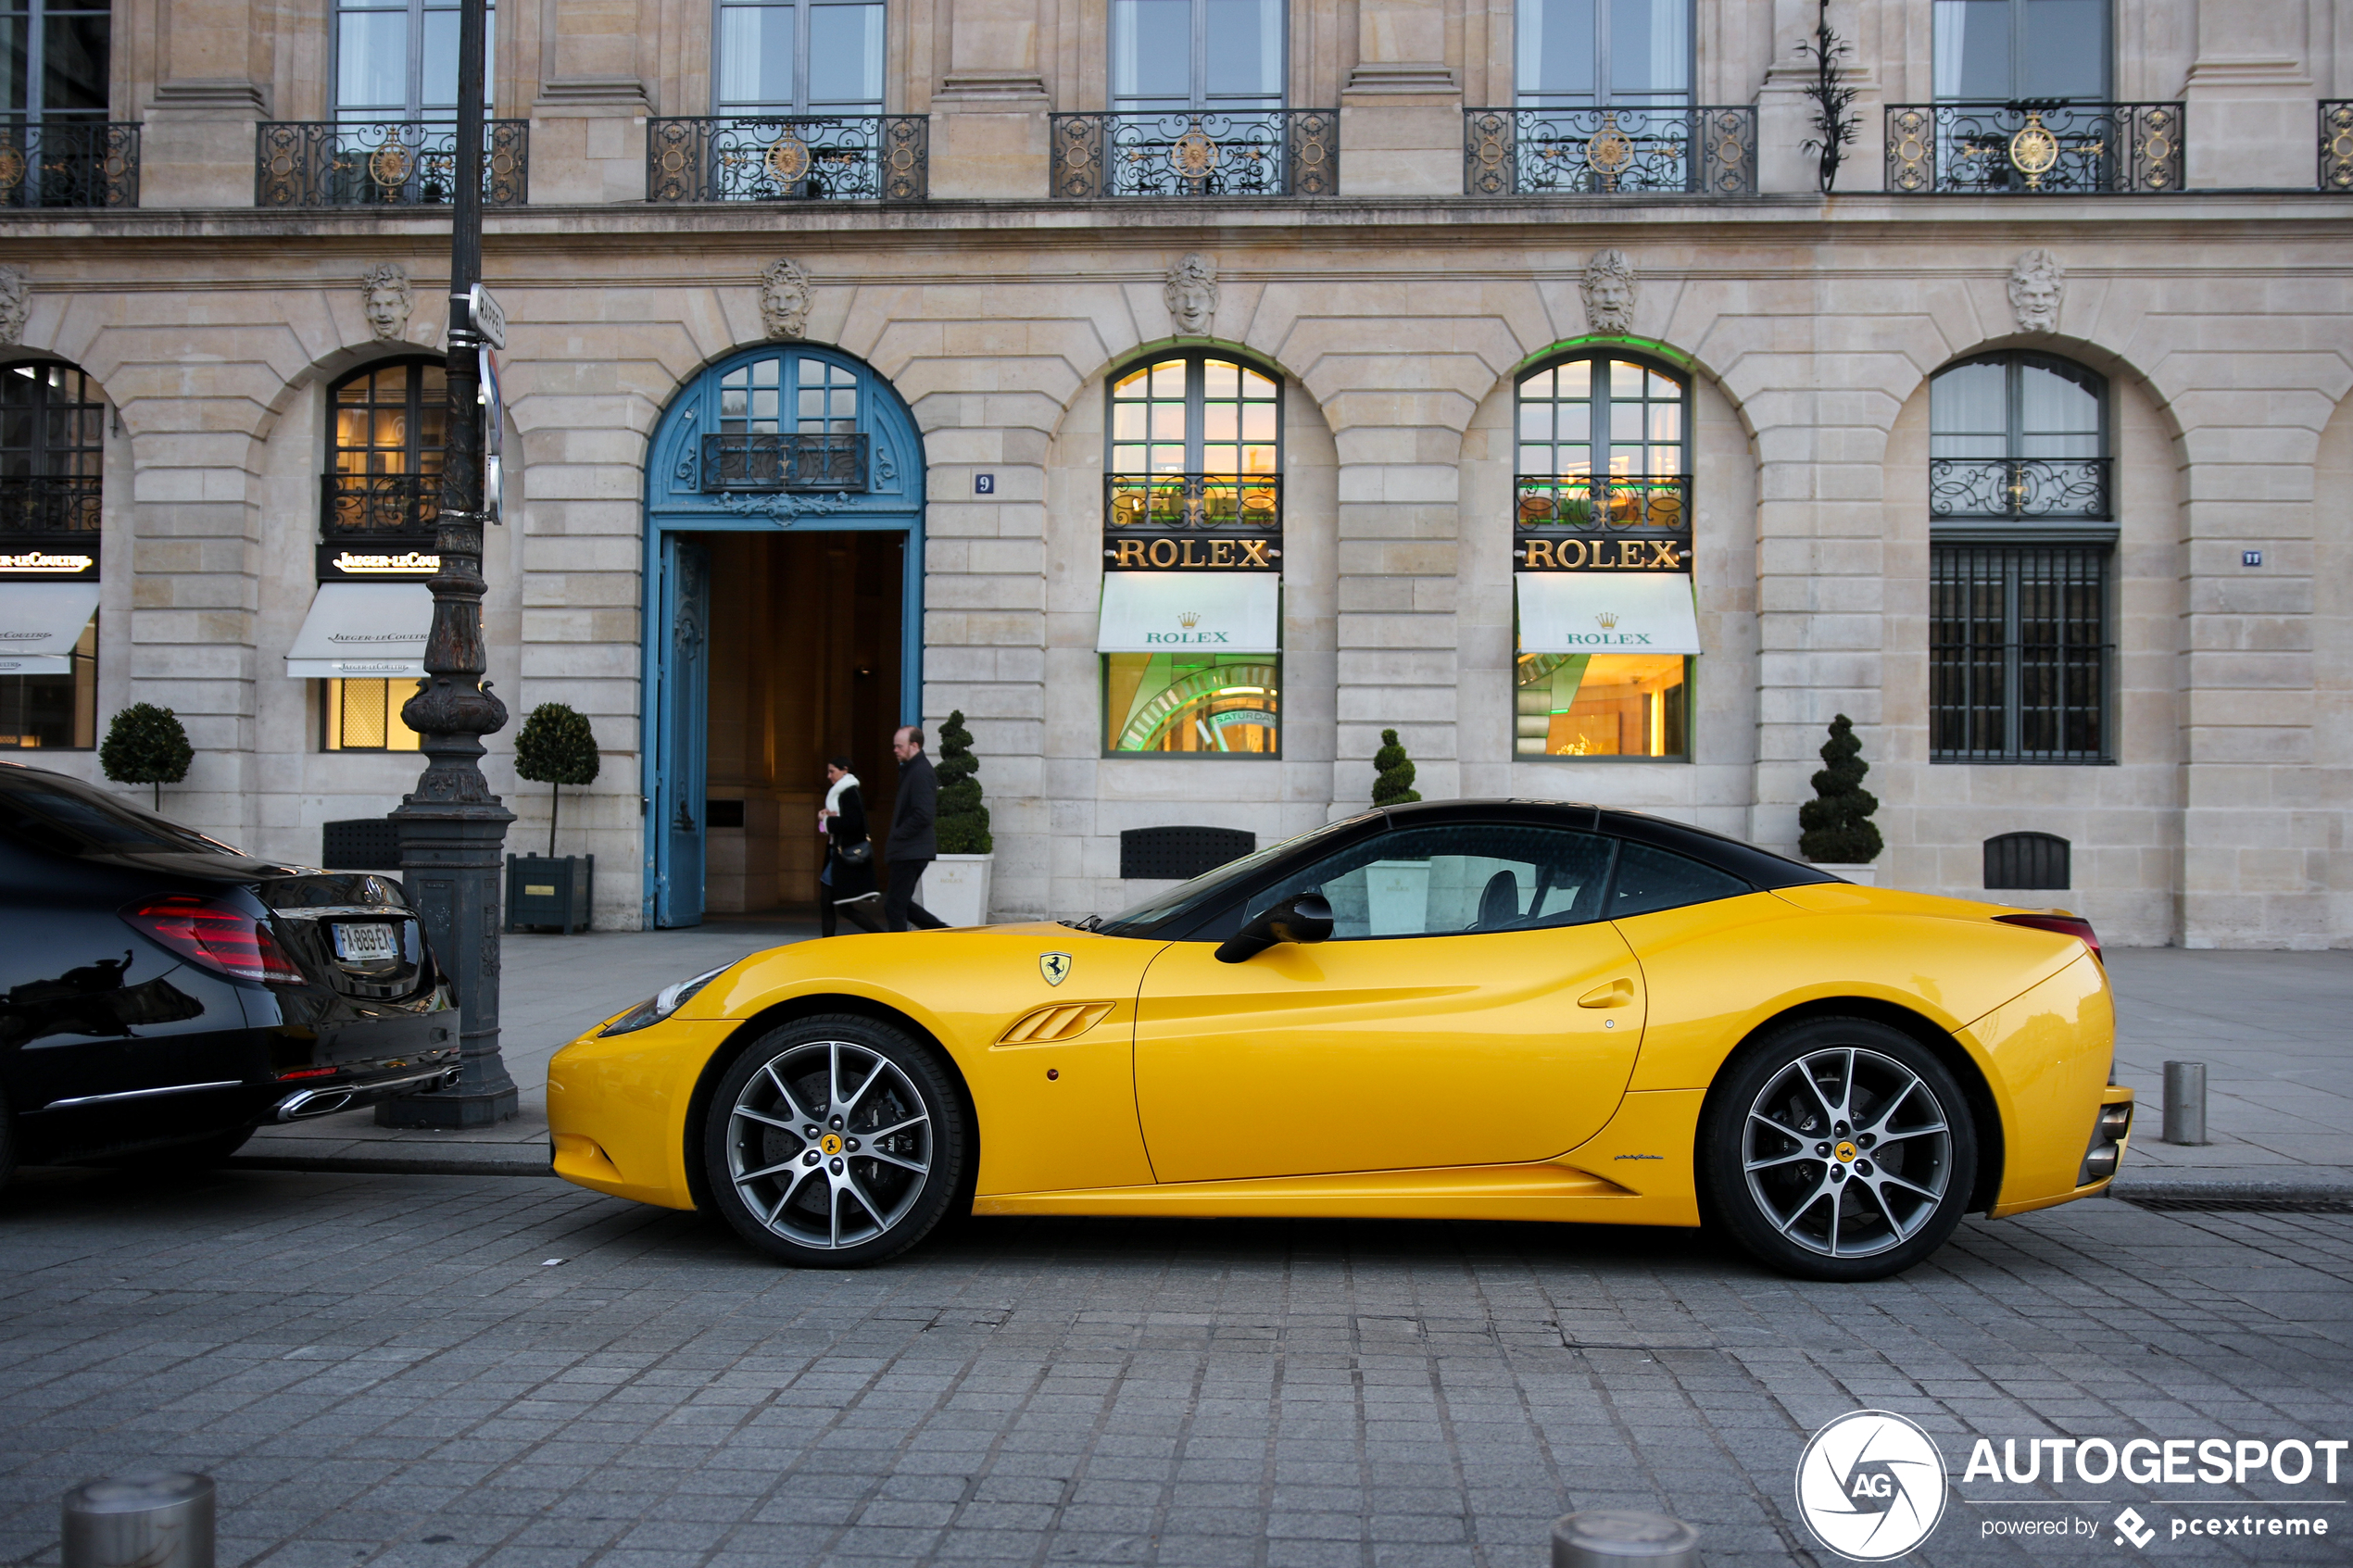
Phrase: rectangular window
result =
(397, 59)
(2019, 652)
(357, 715)
(1576, 54)
(53, 712)
(1196, 54)
(1603, 705)
(799, 57)
(1196, 704)
(2020, 50)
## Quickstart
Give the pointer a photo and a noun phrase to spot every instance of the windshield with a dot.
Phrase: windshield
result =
(1145, 918)
(70, 818)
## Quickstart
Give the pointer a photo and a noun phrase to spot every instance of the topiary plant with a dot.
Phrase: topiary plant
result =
(962, 824)
(1392, 773)
(145, 745)
(1836, 824)
(556, 746)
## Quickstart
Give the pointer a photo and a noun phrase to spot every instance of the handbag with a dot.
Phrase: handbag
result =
(856, 854)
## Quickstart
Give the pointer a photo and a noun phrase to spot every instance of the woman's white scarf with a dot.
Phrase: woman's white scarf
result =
(833, 795)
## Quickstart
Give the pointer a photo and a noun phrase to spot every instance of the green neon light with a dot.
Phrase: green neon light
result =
(1652, 346)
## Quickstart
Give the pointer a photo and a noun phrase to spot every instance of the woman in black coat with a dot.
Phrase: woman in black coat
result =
(847, 883)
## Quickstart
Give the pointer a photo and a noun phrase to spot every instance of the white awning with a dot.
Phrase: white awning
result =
(39, 624)
(1607, 612)
(364, 631)
(1204, 612)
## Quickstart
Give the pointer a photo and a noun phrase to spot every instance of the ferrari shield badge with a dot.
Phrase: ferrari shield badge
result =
(1055, 967)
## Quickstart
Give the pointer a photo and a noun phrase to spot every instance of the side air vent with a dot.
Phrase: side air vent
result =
(1048, 1024)
(2027, 861)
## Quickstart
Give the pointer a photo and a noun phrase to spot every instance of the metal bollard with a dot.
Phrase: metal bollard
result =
(1618, 1538)
(2185, 1102)
(153, 1519)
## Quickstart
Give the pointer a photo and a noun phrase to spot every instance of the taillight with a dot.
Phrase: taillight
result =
(2066, 925)
(219, 936)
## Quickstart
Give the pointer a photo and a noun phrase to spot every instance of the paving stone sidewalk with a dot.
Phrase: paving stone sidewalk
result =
(424, 1372)
(2272, 1028)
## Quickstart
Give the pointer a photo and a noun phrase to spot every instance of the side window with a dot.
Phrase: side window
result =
(1451, 881)
(1658, 879)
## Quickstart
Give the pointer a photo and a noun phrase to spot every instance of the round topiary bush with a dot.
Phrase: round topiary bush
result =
(1392, 773)
(1836, 824)
(145, 745)
(556, 746)
(962, 824)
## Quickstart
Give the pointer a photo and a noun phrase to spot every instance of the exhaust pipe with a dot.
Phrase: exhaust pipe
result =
(305, 1104)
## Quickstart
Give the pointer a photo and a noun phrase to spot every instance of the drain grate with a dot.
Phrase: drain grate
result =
(2247, 1205)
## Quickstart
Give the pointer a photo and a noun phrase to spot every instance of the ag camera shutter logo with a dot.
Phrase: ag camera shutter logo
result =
(1870, 1485)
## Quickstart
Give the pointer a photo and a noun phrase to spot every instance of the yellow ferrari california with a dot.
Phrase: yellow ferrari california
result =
(1469, 1010)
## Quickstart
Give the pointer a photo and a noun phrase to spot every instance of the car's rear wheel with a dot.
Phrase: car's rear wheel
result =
(1839, 1148)
(834, 1142)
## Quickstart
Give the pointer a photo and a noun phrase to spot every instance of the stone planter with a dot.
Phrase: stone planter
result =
(956, 888)
(1865, 872)
(544, 892)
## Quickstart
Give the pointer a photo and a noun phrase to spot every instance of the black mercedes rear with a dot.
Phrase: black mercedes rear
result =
(162, 993)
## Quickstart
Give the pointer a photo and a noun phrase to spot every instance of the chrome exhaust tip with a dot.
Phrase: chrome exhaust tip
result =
(306, 1103)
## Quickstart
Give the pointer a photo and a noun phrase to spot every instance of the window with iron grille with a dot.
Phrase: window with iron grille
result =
(2021, 554)
(52, 432)
(384, 472)
(1216, 54)
(397, 59)
(1578, 53)
(780, 57)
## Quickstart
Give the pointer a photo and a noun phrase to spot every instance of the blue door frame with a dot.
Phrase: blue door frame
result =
(674, 712)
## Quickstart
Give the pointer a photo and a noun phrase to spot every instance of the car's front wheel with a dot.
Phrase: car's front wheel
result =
(834, 1142)
(1839, 1148)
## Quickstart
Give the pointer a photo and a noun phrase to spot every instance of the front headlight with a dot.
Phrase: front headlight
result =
(662, 1003)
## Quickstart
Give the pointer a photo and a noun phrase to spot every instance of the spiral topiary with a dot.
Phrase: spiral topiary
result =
(1836, 824)
(1392, 773)
(962, 824)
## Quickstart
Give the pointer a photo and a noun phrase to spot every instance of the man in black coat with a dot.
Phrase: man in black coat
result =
(911, 847)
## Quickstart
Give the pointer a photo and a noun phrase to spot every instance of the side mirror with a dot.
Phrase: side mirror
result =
(1302, 918)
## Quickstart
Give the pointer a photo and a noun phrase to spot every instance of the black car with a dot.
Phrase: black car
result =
(161, 995)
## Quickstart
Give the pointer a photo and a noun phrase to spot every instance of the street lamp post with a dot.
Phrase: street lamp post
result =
(452, 829)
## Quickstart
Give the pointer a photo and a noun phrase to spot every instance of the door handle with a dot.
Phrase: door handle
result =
(1616, 994)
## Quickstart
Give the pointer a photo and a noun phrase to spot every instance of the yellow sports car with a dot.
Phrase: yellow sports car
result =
(1473, 1009)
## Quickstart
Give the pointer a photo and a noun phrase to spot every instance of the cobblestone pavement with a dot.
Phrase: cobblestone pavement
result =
(394, 1370)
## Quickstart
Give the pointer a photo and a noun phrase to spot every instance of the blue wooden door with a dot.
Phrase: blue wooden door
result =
(682, 694)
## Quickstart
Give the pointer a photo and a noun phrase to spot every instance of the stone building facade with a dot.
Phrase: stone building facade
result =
(1441, 215)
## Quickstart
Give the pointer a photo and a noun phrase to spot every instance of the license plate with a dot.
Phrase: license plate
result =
(365, 944)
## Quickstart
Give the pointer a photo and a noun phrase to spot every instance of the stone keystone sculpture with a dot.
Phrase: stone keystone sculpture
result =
(387, 301)
(785, 298)
(2037, 282)
(1608, 289)
(1190, 293)
(16, 301)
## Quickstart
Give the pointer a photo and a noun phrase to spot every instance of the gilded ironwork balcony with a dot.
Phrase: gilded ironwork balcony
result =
(2035, 148)
(68, 163)
(49, 503)
(1166, 501)
(795, 461)
(1609, 152)
(380, 505)
(797, 157)
(1605, 502)
(2337, 146)
(383, 163)
(2067, 489)
(1197, 153)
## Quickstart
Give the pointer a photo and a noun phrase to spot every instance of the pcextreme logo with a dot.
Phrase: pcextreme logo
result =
(1870, 1485)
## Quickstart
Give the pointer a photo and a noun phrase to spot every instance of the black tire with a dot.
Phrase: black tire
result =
(1858, 1179)
(864, 1198)
(196, 1154)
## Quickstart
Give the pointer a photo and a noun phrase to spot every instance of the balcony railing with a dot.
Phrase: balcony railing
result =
(1605, 501)
(2069, 489)
(1192, 500)
(1588, 152)
(2337, 146)
(1204, 153)
(380, 505)
(794, 460)
(68, 163)
(2035, 148)
(49, 503)
(384, 163)
(820, 158)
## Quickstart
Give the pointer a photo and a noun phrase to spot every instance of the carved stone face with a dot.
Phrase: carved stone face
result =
(1190, 293)
(2036, 298)
(387, 309)
(1609, 291)
(15, 304)
(785, 300)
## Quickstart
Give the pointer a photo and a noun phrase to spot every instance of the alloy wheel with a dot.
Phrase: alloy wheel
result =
(829, 1145)
(1847, 1152)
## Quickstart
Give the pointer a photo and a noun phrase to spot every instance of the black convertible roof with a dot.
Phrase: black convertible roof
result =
(1759, 868)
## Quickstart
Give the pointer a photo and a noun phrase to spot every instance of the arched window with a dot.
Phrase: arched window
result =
(2022, 539)
(1602, 554)
(1190, 635)
(52, 436)
(381, 500)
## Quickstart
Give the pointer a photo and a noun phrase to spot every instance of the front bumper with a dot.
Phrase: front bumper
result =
(617, 1107)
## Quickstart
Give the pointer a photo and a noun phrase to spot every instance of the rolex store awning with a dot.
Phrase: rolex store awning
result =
(39, 624)
(1607, 612)
(363, 631)
(1207, 613)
